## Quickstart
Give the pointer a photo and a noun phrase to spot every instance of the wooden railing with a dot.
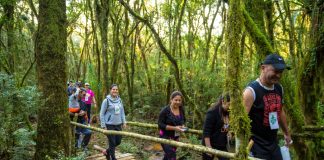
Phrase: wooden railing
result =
(194, 147)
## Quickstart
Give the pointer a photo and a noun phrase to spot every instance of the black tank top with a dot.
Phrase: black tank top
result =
(266, 101)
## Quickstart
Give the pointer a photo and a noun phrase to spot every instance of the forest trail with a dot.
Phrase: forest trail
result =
(119, 156)
(100, 156)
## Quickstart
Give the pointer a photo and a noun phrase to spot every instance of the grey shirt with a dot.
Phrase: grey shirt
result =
(73, 101)
(112, 112)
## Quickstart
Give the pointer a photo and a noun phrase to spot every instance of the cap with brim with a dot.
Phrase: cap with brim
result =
(280, 66)
(276, 61)
(87, 84)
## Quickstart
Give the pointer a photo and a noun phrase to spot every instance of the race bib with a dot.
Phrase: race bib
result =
(273, 120)
(176, 134)
(117, 109)
(86, 97)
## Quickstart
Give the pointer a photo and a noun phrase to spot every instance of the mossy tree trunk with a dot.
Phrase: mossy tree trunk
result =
(9, 47)
(269, 22)
(96, 50)
(239, 121)
(129, 71)
(102, 12)
(258, 36)
(53, 128)
(255, 8)
(312, 76)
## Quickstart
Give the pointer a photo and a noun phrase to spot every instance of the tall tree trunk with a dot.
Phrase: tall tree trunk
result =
(53, 128)
(96, 52)
(269, 24)
(9, 7)
(255, 8)
(219, 41)
(116, 55)
(291, 35)
(311, 80)
(257, 34)
(239, 121)
(102, 12)
(124, 57)
(210, 29)
(146, 66)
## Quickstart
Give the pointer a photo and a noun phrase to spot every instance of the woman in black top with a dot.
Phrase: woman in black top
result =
(216, 127)
(171, 123)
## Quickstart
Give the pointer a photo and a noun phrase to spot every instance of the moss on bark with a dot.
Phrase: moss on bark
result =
(239, 120)
(53, 131)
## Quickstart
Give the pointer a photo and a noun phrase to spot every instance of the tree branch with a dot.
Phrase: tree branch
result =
(257, 36)
(194, 147)
(27, 72)
(32, 7)
(162, 47)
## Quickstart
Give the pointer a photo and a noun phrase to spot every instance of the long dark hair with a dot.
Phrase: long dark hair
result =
(224, 97)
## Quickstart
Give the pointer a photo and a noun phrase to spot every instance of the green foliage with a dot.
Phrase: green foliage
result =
(128, 147)
(188, 154)
(81, 156)
(17, 105)
(91, 78)
(24, 148)
(320, 108)
(148, 107)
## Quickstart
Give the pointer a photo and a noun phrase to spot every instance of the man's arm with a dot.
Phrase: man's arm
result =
(94, 101)
(248, 99)
(284, 126)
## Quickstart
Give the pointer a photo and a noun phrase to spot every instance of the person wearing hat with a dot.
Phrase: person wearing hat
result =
(263, 100)
(82, 119)
(89, 99)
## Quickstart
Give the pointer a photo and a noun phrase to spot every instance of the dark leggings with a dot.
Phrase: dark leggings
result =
(169, 151)
(114, 141)
(88, 112)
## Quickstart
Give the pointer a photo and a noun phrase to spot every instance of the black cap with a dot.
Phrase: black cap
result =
(276, 61)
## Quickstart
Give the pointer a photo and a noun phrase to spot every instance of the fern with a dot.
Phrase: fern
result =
(16, 132)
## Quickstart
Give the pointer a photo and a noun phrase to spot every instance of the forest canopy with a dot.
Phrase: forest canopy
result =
(151, 48)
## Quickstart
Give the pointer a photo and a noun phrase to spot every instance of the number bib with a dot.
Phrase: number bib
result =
(176, 133)
(117, 109)
(87, 97)
(273, 120)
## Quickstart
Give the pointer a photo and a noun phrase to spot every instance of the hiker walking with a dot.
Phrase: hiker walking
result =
(112, 117)
(171, 123)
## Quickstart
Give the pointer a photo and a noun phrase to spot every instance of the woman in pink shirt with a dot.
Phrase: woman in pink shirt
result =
(89, 99)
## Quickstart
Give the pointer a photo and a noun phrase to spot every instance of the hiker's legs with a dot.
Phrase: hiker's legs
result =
(88, 112)
(113, 141)
(77, 136)
(118, 138)
(87, 135)
(169, 152)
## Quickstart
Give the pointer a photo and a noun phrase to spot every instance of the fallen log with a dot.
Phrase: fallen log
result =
(198, 148)
(307, 134)
(148, 125)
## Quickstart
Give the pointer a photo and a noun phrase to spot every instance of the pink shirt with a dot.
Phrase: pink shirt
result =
(88, 98)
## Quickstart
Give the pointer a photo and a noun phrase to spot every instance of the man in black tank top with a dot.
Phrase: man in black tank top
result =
(263, 100)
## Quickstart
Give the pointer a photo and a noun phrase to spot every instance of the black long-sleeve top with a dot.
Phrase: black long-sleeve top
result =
(166, 117)
(213, 127)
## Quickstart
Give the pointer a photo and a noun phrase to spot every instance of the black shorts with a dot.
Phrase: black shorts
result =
(271, 152)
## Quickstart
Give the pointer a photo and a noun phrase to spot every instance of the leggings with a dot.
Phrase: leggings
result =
(113, 141)
(169, 151)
